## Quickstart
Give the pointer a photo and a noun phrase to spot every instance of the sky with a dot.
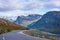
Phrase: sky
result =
(26, 7)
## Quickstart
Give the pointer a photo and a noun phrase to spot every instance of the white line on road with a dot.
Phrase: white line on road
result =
(3, 37)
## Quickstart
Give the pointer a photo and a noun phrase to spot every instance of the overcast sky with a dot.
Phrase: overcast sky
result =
(25, 7)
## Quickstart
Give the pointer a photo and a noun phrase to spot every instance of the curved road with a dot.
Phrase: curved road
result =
(16, 35)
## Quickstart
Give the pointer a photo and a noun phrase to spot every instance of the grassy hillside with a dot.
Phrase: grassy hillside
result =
(7, 26)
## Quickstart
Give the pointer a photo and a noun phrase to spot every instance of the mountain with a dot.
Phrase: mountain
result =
(49, 22)
(26, 20)
(6, 25)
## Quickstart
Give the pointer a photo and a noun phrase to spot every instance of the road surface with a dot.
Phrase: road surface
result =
(17, 35)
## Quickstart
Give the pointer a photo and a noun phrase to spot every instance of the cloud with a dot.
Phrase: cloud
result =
(55, 9)
(26, 4)
(20, 4)
(25, 7)
(18, 13)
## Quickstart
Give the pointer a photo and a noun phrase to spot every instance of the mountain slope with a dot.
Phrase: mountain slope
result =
(49, 22)
(26, 20)
(6, 25)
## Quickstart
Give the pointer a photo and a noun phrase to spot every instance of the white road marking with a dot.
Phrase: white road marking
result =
(3, 37)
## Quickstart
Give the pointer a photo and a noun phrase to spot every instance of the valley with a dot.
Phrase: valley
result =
(29, 19)
(32, 27)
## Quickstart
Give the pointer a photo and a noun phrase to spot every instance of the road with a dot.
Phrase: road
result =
(17, 35)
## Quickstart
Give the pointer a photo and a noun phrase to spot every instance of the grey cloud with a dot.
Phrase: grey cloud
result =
(27, 5)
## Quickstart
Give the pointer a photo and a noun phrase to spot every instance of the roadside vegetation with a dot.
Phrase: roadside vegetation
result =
(36, 33)
(7, 26)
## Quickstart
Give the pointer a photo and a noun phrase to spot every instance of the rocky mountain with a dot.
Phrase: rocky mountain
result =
(6, 25)
(49, 22)
(26, 20)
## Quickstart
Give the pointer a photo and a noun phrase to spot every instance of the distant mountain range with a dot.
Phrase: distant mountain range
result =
(26, 20)
(49, 22)
(6, 26)
(23, 20)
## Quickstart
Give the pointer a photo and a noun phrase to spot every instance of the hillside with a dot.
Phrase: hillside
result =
(6, 26)
(49, 22)
(26, 20)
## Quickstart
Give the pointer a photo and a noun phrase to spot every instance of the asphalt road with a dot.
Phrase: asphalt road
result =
(1, 37)
(16, 35)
